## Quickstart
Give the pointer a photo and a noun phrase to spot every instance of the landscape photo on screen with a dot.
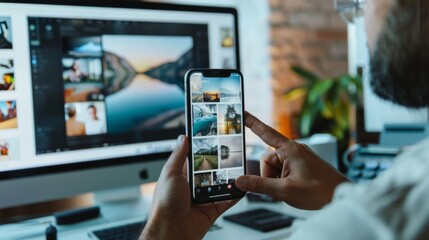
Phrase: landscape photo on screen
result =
(230, 89)
(138, 69)
(231, 152)
(211, 90)
(205, 154)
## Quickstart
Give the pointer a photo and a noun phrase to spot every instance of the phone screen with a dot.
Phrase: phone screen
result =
(216, 133)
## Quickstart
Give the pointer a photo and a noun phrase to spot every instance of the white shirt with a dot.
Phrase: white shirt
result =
(95, 127)
(393, 206)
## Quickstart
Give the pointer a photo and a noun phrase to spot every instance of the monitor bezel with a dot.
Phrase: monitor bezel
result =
(124, 4)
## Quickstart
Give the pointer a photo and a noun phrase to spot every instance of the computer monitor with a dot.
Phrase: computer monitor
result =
(92, 92)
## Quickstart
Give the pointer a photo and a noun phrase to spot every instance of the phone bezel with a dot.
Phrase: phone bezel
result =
(217, 73)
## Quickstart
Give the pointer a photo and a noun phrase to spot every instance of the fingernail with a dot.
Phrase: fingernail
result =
(180, 140)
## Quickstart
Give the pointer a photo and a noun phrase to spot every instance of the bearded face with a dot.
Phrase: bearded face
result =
(399, 64)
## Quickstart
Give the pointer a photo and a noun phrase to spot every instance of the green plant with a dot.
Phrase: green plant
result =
(327, 101)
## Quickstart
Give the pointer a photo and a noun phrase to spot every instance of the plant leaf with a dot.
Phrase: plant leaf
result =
(295, 93)
(308, 116)
(305, 74)
(318, 90)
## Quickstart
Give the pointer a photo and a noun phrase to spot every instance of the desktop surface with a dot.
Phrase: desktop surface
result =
(137, 211)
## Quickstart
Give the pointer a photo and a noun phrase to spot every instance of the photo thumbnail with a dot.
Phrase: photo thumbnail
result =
(233, 174)
(219, 177)
(205, 120)
(8, 117)
(83, 92)
(196, 88)
(5, 33)
(229, 118)
(203, 179)
(77, 70)
(88, 118)
(9, 149)
(230, 89)
(205, 154)
(211, 91)
(231, 152)
(78, 47)
(227, 37)
(7, 75)
(139, 69)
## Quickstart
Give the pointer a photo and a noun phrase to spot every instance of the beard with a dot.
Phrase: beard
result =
(405, 83)
(399, 64)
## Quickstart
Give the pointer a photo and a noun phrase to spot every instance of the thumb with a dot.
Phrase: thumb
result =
(174, 165)
(269, 186)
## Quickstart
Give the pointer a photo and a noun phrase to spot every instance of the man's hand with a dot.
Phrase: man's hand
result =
(291, 172)
(174, 216)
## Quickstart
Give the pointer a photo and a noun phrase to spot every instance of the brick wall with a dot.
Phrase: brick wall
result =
(309, 33)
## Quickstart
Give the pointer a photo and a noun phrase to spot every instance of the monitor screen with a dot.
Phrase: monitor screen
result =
(81, 84)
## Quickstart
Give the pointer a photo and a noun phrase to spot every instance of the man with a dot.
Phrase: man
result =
(94, 125)
(393, 206)
(73, 126)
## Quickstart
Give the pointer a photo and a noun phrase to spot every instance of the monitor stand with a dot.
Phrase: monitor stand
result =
(124, 203)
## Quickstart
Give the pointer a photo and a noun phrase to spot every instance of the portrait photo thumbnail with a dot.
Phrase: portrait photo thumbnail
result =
(77, 70)
(85, 118)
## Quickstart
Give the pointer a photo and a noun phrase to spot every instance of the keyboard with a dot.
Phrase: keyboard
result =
(368, 163)
(129, 231)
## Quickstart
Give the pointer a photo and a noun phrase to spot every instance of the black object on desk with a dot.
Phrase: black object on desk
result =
(75, 216)
(51, 232)
(261, 219)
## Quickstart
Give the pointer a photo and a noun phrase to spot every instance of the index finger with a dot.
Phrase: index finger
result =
(266, 133)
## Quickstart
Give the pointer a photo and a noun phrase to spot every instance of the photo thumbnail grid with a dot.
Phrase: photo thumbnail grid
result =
(216, 129)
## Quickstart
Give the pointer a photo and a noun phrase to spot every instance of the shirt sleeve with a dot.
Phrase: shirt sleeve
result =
(344, 219)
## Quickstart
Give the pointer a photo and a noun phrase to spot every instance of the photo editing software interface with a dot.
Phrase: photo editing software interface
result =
(92, 83)
(217, 134)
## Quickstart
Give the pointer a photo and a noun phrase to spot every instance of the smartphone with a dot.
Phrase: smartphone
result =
(215, 130)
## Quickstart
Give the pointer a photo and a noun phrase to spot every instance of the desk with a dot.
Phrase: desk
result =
(114, 213)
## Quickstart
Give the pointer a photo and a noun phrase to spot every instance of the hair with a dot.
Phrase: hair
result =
(400, 62)
(92, 106)
(71, 112)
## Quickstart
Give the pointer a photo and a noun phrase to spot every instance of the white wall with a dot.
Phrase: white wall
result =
(254, 53)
